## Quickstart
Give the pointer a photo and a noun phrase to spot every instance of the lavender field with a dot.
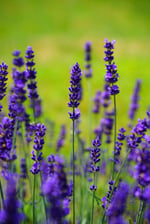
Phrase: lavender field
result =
(74, 112)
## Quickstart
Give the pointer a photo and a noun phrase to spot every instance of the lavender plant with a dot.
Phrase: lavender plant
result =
(119, 195)
(74, 97)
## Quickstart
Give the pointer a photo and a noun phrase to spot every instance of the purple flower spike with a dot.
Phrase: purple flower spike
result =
(94, 155)
(118, 205)
(3, 79)
(111, 76)
(32, 86)
(97, 102)
(61, 138)
(135, 100)
(40, 130)
(75, 91)
(17, 61)
(11, 213)
(88, 70)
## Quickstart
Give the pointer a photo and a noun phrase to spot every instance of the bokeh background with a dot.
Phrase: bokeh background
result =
(58, 29)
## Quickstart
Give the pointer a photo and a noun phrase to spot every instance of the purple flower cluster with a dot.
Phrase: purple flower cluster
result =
(117, 206)
(56, 190)
(6, 140)
(108, 122)
(105, 97)
(134, 100)
(61, 138)
(111, 76)
(121, 136)
(31, 75)
(87, 48)
(38, 146)
(94, 155)
(23, 168)
(97, 102)
(11, 213)
(3, 79)
(74, 95)
(18, 92)
(106, 200)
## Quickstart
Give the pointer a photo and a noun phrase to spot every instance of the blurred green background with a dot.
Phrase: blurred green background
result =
(57, 31)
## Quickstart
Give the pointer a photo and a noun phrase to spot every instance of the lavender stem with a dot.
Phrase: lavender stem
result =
(115, 131)
(2, 195)
(73, 169)
(92, 213)
(33, 200)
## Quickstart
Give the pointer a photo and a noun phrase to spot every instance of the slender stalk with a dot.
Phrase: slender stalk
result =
(140, 213)
(44, 201)
(115, 183)
(73, 130)
(80, 156)
(2, 195)
(115, 132)
(33, 200)
(92, 211)
(34, 179)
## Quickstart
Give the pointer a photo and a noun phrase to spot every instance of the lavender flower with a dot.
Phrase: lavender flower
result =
(61, 138)
(97, 102)
(106, 200)
(88, 71)
(11, 213)
(74, 95)
(18, 92)
(105, 96)
(38, 146)
(3, 79)
(134, 100)
(121, 136)
(94, 155)
(55, 188)
(108, 122)
(31, 75)
(7, 153)
(17, 61)
(111, 76)
(38, 107)
(118, 205)
(23, 168)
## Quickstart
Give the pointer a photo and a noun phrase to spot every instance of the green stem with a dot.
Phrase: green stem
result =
(44, 201)
(33, 200)
(73, 170)
(115, 132)
(80, 156)
(92, 211)
(140, 213)
(2, 195)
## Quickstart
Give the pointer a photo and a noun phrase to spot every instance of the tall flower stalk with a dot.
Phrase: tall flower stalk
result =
(74, 97)
(111, 77)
